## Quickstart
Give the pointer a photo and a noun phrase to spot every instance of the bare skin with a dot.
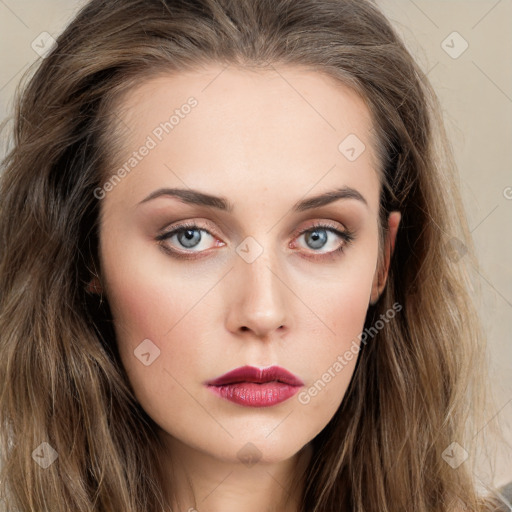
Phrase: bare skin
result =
(263, 145)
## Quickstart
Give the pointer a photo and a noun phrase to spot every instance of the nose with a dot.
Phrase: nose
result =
(256, 298)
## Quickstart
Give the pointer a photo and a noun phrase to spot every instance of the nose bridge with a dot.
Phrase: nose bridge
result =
(258, 289)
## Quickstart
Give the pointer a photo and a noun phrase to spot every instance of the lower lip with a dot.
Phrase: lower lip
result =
(252, 394)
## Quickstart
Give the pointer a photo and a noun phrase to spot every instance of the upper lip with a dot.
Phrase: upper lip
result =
(260, 375)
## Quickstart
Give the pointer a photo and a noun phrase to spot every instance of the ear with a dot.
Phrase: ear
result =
(94, 286)
(381, 274)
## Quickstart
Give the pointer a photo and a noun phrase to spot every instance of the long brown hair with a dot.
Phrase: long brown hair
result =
(417, 383)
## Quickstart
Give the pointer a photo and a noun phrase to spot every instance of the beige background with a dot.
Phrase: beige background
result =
(475, 89)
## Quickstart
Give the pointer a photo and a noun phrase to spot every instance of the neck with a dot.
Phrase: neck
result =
(200, 482)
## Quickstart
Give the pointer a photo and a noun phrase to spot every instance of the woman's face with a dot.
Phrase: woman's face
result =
(254, 281)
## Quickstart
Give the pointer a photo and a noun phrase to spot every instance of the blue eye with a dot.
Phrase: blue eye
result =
(317, 238)
(189, 236)
(314, 235)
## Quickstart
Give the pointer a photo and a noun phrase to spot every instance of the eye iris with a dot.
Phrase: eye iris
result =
(189, 237)
(318, 239)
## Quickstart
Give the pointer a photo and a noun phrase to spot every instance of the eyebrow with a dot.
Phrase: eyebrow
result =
(221, 203)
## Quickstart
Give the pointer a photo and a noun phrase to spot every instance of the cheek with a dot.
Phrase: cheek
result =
(348, 306)
(339, 304)
(148, 293)
(152, 315)
(340, 309)
(333, 355)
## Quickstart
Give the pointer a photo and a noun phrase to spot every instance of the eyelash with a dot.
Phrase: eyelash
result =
(346, 235)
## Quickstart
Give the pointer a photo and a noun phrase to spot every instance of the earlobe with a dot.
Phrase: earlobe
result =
(381, 274)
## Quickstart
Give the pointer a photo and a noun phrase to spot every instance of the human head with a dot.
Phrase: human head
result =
(103, 55)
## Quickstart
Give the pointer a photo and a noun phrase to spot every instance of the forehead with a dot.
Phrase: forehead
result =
(286, 127)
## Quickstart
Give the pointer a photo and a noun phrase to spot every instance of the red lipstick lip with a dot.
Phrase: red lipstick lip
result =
(258, 375)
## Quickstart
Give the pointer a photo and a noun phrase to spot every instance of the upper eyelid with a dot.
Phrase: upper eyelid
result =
(329, 226)
(187, 225)
(212, 230)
